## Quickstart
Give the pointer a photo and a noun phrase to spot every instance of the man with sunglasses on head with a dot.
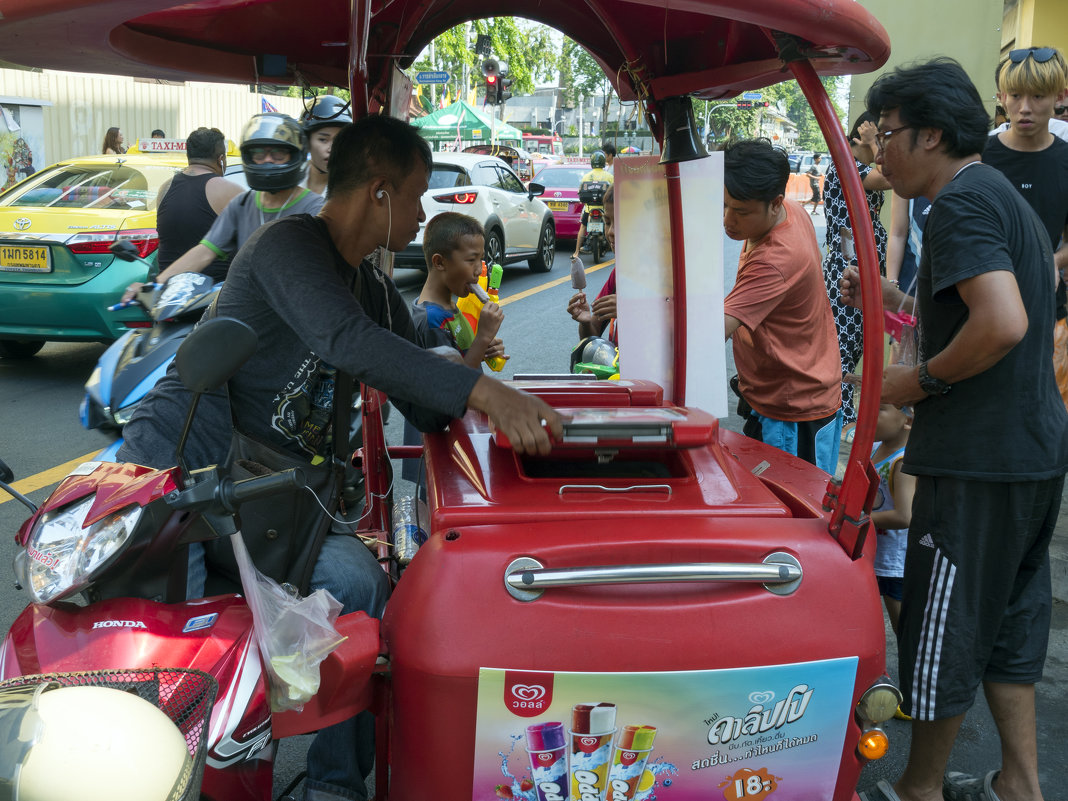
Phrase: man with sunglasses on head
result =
(1031, 82)
(989, 445)
(274, 152)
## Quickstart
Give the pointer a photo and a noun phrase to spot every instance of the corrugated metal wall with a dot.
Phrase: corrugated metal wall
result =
(85, 106)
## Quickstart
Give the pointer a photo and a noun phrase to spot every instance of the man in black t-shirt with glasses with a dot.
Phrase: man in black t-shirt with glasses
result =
(989, 445)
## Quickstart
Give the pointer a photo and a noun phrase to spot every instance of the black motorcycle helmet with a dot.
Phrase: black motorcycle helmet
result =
(327, 110)
(274, 130)
(598, 160)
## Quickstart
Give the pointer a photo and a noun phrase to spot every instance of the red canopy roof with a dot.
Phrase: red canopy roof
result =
(711, 48)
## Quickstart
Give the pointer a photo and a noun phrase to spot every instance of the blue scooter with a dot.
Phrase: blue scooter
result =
(134, 362)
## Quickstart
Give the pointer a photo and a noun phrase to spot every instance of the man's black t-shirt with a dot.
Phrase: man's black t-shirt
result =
(313, 312)
(1008, 422)
(1041, 177)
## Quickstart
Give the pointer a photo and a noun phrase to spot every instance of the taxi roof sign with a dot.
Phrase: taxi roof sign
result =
(174, 146)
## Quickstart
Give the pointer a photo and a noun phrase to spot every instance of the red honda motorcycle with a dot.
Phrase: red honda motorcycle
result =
(105, 562)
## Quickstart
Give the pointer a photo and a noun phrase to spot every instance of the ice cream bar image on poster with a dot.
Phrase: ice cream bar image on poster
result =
(629, 756)
(593, 727)
(547, 749)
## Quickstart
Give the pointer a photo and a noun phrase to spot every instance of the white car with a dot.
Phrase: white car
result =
(519, 226)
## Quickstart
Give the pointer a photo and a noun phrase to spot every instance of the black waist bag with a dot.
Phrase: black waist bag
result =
(283, 532)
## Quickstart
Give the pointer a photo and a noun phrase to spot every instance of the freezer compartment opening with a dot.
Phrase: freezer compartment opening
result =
(606, 464)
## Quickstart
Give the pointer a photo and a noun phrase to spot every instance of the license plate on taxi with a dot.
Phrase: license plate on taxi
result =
(595, 227)
(557, 205)
(25, 259)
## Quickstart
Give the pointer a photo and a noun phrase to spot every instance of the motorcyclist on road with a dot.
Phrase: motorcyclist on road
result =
(597, 173)
(191, 201)
(321, 123)
(274, 151)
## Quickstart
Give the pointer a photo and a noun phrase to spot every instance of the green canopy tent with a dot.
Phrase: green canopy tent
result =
(463, 120)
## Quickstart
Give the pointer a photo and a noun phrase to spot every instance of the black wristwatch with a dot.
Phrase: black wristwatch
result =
(930, 384)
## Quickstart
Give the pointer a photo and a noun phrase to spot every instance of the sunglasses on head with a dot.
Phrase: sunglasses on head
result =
(1039, 54)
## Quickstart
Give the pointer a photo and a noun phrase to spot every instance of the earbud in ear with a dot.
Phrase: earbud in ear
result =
(381, 193)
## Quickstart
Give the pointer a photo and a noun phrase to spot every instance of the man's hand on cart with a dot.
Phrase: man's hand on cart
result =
(527, 421)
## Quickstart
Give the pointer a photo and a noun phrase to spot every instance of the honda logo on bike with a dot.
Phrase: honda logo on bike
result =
(22, 223)
(120, 624)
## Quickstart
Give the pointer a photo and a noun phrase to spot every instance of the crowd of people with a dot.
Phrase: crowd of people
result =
(973, 430)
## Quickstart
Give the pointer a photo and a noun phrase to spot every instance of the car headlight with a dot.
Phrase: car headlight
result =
(61, 554)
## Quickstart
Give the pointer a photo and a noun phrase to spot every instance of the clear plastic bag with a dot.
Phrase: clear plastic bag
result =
(294, 634)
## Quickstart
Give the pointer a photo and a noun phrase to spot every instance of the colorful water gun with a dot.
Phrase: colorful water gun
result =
(483, 292)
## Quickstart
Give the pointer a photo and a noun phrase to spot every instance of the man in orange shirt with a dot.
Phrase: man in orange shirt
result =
(785, 345)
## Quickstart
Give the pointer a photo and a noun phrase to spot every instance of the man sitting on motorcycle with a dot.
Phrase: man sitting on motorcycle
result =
(274, 152)
(191, 201)
(306, 288)
(597, 173)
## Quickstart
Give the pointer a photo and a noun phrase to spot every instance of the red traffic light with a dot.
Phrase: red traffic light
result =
(491, 79)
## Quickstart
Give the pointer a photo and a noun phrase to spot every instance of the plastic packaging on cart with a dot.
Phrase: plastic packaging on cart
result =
(410, 516)
(294, 634)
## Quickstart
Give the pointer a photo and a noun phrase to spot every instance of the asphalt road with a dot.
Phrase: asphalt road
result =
(40, 438)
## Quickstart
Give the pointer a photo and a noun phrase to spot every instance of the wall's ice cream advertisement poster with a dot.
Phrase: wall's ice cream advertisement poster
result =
(746, 734)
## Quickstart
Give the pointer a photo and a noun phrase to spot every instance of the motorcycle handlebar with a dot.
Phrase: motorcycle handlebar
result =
(247, 489)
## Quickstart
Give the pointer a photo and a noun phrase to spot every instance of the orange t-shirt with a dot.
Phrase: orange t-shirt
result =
(786, 349)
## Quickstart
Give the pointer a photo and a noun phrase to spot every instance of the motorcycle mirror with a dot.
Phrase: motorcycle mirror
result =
(213, 352)
(6, 474)
(124, 249)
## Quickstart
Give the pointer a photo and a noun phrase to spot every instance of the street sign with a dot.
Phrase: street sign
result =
(752, 96)
(432, 77)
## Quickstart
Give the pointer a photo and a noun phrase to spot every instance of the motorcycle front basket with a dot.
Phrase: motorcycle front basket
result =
(185, 696)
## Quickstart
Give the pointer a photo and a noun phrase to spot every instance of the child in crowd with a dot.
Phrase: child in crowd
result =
(892, 509)
(453, 246)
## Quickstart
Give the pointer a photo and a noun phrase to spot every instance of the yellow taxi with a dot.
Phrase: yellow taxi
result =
(57, 274)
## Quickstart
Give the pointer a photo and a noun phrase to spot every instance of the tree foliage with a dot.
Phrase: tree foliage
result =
(525, 47)
(734, 123)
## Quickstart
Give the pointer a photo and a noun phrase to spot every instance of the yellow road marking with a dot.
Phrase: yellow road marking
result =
(58, 473)
(528, 292)
(46, 478)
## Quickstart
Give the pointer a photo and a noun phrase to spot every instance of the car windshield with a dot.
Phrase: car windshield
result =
(569, 177)
(446, 176)
(92, 186)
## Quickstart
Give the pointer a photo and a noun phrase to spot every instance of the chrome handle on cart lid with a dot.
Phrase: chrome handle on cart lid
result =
(526, 578)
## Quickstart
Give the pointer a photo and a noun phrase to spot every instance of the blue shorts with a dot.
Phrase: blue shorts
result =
(891, 586)
(815, 441)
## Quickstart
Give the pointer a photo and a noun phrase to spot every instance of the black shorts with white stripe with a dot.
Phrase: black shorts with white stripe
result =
(977, 597)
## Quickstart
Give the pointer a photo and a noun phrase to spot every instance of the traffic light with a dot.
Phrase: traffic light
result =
(492, 70)
(503, 90)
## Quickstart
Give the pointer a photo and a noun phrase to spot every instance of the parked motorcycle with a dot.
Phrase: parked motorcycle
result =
(115, 537)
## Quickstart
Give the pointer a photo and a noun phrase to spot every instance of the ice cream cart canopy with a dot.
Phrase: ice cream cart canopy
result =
(718, 48)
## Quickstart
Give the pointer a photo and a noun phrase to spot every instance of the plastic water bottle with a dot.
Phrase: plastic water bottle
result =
(409, 515)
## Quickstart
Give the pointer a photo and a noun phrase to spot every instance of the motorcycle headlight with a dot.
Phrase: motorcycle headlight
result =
(61, 553)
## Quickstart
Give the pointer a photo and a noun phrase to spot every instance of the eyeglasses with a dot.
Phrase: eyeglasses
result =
(1039, 54)
(1058, 110)
(882, 136)
(260, 154)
